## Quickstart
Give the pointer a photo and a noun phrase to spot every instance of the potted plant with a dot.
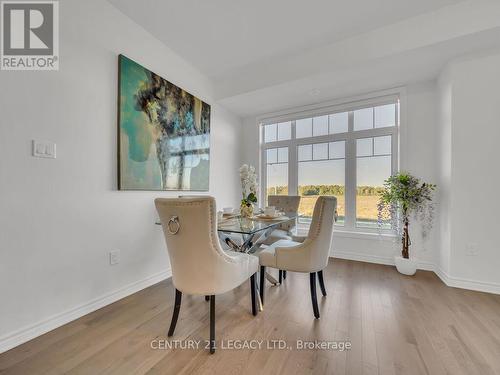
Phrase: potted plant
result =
(249, 185)
(405, 196)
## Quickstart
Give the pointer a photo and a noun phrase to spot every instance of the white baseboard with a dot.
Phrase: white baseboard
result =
(457, 282)
(25, 334)
(389, 261)
(451, 281)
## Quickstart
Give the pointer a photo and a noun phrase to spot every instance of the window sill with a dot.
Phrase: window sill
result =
(390, 237)
(339, 231)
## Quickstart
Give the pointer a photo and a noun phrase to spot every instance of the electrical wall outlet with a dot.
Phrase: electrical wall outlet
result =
(44, 149)
(114, 257)
(471, 249)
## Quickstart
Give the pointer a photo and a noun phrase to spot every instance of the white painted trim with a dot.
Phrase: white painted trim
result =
(402, 150)
(335, 105)
(339, 232)
(25, 334)
(389, 261)
(451, 281)
(458, 282)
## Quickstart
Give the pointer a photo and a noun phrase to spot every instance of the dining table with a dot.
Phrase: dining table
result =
(252, 231)
(246, 234)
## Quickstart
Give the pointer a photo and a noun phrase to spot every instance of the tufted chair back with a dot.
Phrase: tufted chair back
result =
(312, 254)
(289, 204)
(199, 265)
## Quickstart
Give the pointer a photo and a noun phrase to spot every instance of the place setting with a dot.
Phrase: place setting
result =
(226, 214)
(269, 213)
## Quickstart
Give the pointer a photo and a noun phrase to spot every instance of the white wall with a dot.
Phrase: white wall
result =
(418, 156)
(474, 177)
(60, 218)
(444, 191)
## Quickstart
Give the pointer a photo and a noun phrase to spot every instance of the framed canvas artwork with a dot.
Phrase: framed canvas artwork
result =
(163, 133)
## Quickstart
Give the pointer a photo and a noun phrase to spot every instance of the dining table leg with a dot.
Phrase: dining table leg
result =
(250, 245)
(271, 279)
(257, 292)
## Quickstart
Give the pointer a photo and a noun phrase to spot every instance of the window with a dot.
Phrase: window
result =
(373, 166)
(339, 123)
(346, 152)
(277, 171)
(320, 125)
(303, 128)
(284, 131)
(278, 132)
(321, 171)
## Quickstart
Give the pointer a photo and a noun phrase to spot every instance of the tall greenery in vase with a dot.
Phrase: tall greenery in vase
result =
(249, 185)
(405, 196)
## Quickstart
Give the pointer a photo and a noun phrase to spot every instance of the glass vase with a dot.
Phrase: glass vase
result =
(246, 211)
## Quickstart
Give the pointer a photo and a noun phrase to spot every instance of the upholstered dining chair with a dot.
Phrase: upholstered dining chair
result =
(289, 204)
(199, 265)
(309, 256)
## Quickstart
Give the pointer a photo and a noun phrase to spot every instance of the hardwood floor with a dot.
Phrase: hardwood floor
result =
(395, 324)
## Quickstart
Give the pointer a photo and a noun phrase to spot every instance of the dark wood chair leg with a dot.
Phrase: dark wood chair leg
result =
(175, 314)
(280, 276)
(321, 283)
(284, 275)
(253, 295)
(261, 284)
(207, 298)
(212, 324)
(314, 300)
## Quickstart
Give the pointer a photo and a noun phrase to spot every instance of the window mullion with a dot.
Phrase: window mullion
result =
(263, 177)
(395, 152)
(293, 165)
(350, 177)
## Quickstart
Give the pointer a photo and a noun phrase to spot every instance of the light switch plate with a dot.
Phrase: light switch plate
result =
(44, 149)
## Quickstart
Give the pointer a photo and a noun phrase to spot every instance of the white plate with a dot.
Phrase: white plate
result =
(268, 217)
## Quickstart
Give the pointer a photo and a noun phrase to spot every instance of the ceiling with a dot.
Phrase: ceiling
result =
(221, 35)
(265, 55)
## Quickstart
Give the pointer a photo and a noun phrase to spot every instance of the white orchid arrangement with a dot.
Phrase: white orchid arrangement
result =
(249, 185)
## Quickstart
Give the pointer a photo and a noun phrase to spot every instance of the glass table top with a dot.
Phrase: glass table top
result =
(244, 225)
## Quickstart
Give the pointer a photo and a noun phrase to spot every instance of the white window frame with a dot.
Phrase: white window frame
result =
(397, 95)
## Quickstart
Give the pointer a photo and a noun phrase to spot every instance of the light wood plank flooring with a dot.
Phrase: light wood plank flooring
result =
(396, 325)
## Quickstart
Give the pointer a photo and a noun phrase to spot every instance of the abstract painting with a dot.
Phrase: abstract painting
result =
(163, 133)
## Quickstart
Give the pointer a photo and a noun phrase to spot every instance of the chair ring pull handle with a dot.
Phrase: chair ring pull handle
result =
(173, 222)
